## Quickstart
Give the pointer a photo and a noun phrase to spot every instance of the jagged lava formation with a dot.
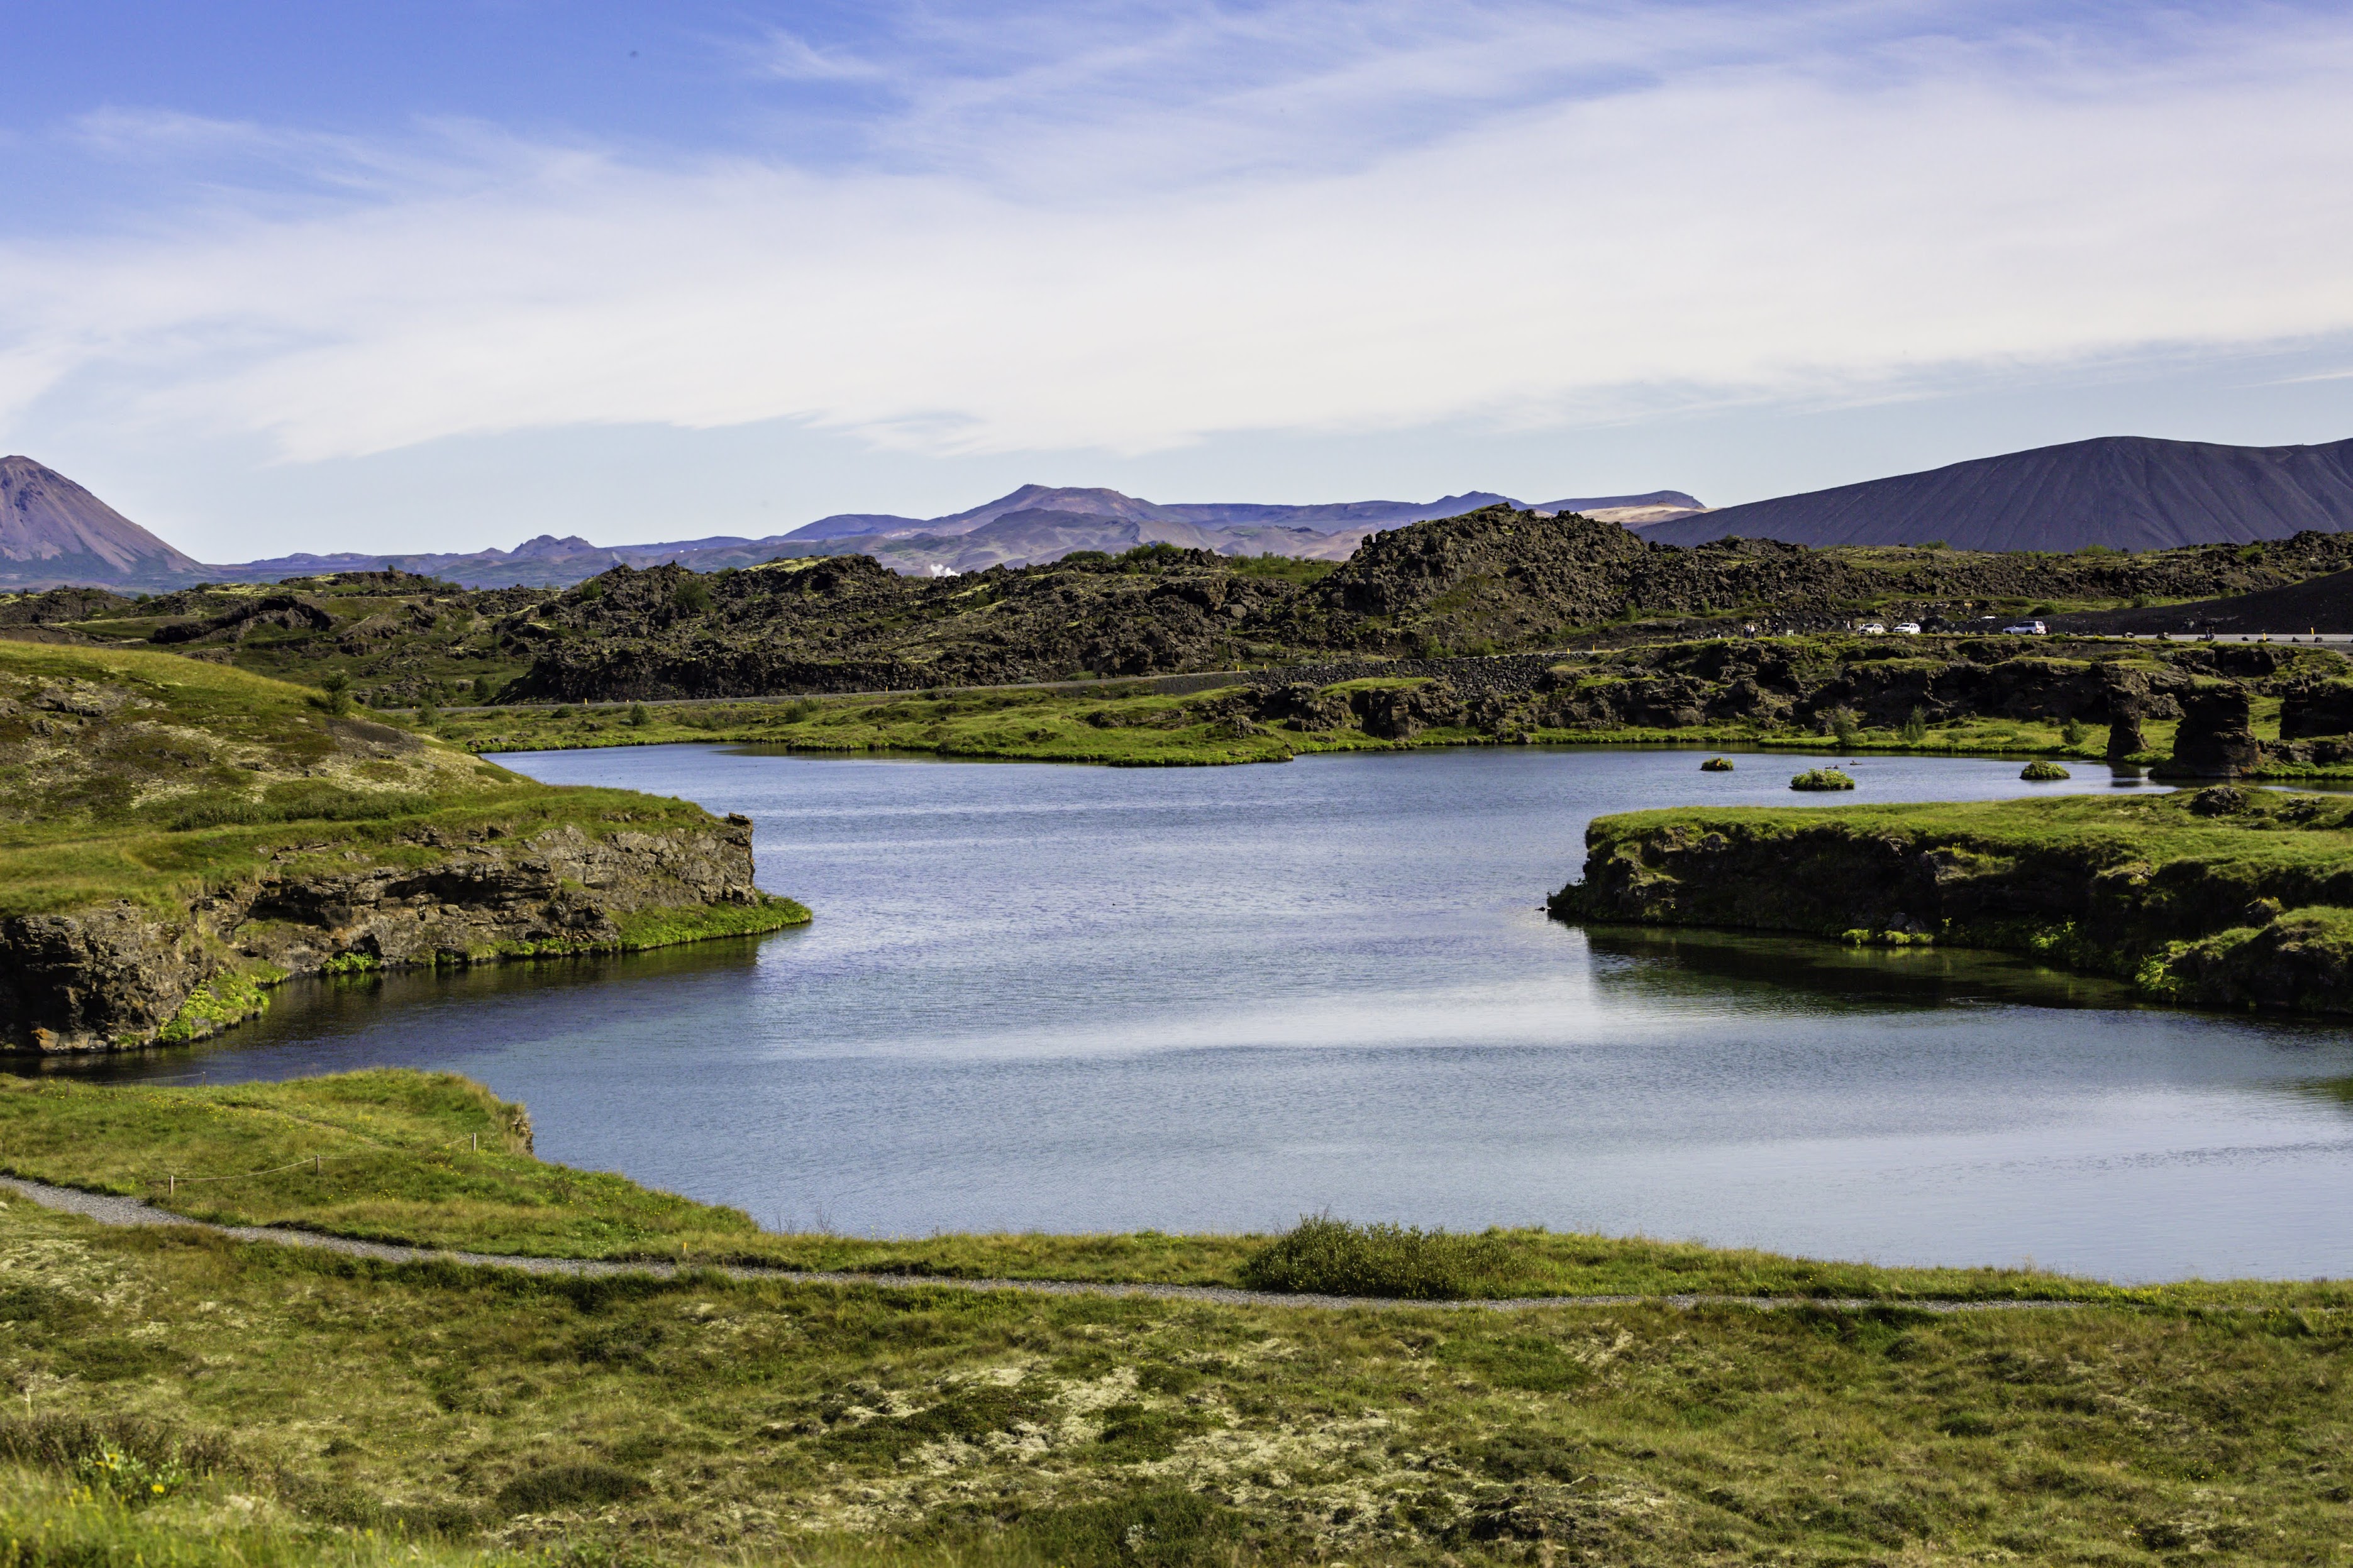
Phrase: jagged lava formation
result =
(176, 836)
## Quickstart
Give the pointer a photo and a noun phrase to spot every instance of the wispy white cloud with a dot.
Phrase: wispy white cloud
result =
(1303, 216)
(789, 57)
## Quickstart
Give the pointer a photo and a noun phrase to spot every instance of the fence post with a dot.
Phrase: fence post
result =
(477, 1142)
(170, 1186)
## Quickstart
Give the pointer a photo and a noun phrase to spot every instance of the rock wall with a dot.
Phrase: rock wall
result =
(121, 976)
(2193, 928)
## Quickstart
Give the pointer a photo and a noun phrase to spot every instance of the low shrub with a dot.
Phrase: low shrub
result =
(1327, 1257)
(2040, 772)
(1716, 765)
(567, 1486)
(1822, 779)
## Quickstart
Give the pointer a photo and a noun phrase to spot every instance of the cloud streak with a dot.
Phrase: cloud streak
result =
(1292, 217)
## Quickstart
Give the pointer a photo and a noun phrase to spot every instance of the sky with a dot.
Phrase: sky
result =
(443, 274)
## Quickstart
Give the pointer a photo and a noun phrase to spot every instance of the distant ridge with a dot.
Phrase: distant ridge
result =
(66, 536)
(54, 533)
(2127, 492)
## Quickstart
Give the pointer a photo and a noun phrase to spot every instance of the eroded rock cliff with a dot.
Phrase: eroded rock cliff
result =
(121, 975)
(2220, 896)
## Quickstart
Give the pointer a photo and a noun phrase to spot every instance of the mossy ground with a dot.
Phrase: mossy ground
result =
(352, 1411)
(152, 778)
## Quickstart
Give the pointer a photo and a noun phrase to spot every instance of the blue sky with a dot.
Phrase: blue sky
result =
(450, 273)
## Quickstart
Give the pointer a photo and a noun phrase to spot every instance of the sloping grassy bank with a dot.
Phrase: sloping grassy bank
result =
(292, 1406)
(175, 836)
(434, 1159)
(2219, 897)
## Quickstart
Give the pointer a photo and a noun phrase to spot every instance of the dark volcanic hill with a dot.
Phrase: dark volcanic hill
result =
(2127, 492)
(53, 532)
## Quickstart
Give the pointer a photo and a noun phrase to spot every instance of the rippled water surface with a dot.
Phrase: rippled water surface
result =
(1079, 998)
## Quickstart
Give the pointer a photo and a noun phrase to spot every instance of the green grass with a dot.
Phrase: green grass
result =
(1822, 779)
(164, 870)
(303, 1407)
(1329, 1256)
(1125, 724)
(1116, 727)
(185, 777)
(433, 1159)
(452, 1411)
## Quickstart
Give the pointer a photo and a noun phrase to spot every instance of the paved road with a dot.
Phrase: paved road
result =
(118, 1211)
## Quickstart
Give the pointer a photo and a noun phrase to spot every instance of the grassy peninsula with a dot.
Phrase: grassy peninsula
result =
(176, 836)
(2220, 896)
(194, 1400)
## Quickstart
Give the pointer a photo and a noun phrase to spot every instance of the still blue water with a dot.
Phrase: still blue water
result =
(1074, 998)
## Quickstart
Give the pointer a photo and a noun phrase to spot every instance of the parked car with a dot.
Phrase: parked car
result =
(1871, 629)
(1908, 628)
(2028, 629)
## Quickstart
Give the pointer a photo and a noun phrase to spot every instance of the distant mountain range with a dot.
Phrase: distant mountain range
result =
(54, 532)
(2127, 492)
(2123, 492)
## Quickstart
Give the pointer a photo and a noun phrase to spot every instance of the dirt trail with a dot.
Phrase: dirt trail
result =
(119, 1211)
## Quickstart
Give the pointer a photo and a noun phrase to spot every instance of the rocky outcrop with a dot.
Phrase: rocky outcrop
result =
(120, 975)
(2100, 885)
(2320, 708)
(2216, 739)
(96, 979)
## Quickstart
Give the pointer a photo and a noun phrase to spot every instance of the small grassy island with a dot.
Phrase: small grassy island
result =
(183, 1397)
(176, 836)
(2219, 897)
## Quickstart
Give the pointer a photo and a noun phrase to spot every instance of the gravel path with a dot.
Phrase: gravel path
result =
(117, 1211)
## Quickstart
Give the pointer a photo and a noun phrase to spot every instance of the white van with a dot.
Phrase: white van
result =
(2028, 629)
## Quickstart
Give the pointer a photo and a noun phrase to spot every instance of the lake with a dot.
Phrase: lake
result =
(1076, 998)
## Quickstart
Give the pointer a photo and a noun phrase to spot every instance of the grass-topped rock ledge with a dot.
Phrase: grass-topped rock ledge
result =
(2220, 897)
(176, 836)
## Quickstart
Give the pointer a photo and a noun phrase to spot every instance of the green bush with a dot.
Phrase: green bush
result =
(1822, 779)
(1716, 765)
(2072, 732)
(1915, 728)
(567, 1486)
(2043, 772)
(1327, 1257)
(1844, 725)
(639, 717)
(692, 598)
